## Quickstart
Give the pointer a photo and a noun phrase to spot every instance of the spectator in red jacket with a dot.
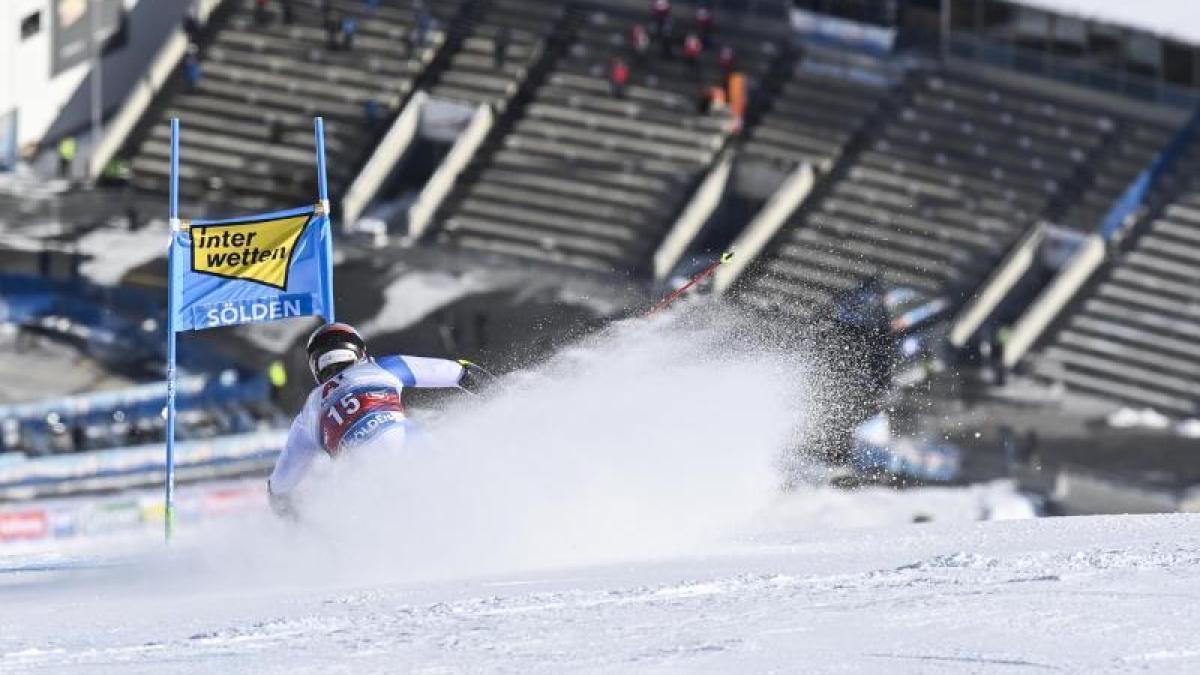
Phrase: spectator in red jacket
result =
(618, 76)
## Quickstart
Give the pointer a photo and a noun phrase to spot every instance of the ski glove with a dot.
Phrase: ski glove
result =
(474, 379)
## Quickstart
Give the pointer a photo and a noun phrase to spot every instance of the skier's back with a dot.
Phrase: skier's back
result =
(357, 400)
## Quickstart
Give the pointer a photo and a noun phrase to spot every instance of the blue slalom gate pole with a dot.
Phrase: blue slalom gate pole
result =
(323, 195)
(169, 510)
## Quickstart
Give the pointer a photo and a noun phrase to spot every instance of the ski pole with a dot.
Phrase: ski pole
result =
(701, 276)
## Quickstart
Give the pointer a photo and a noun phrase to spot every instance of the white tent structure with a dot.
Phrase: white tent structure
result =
(1174, 19)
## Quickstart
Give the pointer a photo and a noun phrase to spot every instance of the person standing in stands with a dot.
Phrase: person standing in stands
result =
(704, 24)
(500, 47)
(667, 42)
(639, 41)
(333, 23)
(661, 11)
(618, 76)
(424, 23)
(692, 47)
(277, 374)
(191, 28)
(260, 12)
(726, 59)
(999, 370)
(288, 11)
(371, 113)
(349, 28)
(191, 67)
(67, 148)
(274, 131)
(133, 219)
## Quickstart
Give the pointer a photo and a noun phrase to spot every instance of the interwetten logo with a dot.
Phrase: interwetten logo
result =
(259, 251)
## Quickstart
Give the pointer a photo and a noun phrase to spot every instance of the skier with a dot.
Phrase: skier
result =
(356, 401)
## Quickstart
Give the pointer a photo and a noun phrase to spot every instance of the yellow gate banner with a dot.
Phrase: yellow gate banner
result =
(258, 251)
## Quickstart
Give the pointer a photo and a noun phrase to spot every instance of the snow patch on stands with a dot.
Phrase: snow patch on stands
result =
(114, 252)
(417, 294)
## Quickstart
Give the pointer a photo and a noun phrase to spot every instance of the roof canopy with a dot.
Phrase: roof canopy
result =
(1175, 19)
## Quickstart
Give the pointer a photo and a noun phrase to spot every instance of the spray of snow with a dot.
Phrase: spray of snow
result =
(652, 439)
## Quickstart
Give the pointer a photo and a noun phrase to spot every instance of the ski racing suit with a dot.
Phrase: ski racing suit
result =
(358, 405)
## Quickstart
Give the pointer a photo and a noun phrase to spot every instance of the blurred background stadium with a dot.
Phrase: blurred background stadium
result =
(989, 205)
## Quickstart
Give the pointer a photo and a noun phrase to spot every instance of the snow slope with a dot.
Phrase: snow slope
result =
(1104, 594)
(615, 511)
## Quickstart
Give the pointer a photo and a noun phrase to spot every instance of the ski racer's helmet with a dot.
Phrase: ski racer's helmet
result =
(332, 348)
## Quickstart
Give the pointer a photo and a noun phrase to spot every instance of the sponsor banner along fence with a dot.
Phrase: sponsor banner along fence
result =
(125, 513)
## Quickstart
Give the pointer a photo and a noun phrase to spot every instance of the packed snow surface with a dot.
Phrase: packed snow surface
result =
(1087, 595)
(617, 510)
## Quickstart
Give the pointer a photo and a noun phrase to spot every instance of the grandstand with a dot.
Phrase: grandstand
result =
(936, 193)
(1129, 335)
(502, 41)
(250, 113)
(1021, 199)
(627, 170)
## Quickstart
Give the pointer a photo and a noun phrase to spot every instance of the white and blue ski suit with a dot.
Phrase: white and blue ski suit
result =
(358, 405)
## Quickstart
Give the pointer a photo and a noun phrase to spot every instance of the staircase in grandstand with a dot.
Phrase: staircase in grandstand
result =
(247, 140)
(1132, 144)
(502, 39)
(820, 107)
(582, 178)
(958, 168)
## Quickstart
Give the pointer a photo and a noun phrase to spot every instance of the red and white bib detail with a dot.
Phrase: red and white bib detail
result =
(351, 416)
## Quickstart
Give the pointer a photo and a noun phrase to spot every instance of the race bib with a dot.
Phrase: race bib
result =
(355, 416)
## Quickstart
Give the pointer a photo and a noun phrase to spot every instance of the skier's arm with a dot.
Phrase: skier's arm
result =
(421, 372)
(291, 467)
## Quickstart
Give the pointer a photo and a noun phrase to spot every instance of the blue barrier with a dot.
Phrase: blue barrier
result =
(143, 400)
(876, 450)
(1135, 195)
(147, 460)
(110, 323)
(122, 327)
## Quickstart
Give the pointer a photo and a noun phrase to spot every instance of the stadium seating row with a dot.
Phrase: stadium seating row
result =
(955, 172)
(247, 140)
(1131, 334)
(604, 170)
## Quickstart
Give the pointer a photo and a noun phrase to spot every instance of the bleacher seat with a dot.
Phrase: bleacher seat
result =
(1132, 334)
(246, 139)
(936, 195)
(587, 180)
